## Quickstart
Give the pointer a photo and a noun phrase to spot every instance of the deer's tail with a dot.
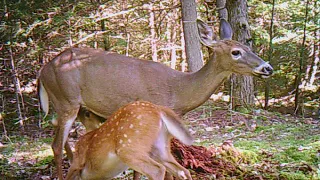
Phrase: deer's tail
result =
(44, 98)
(175, 126)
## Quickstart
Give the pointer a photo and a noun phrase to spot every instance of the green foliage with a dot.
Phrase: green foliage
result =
(293, 176)
(45, 161)
(288, 32)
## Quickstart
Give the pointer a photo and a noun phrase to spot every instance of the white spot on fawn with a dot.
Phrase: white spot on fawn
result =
(112, 129)
(120, 141)
(139, 117)
(129, 140)
(125, 135)
(131, 126)
(108, 135)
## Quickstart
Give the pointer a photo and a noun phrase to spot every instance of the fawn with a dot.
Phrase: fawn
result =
(137, 136)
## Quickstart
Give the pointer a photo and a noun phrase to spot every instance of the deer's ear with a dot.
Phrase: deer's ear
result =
(205, 33)
(225, 30)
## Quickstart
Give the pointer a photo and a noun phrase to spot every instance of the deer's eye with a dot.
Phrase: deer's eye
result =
(87, 114)
(236, 54)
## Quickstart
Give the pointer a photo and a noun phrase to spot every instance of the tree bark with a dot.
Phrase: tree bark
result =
(153, 33)
(222, 10)
(267, 82)
(172, 35)
(298, 100)
(192, 43)
(316, 50)
(243, 86)
(183, 52)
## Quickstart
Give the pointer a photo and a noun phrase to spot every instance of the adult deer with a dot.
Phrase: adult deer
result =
(104, 81)
(137, 136)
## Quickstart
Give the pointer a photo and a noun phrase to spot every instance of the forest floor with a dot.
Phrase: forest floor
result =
(254, 144)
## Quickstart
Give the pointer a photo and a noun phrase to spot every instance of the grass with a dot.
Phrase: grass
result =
(293, 148)
(24, 156)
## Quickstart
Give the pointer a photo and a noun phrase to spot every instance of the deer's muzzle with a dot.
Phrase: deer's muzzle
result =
(265, 70)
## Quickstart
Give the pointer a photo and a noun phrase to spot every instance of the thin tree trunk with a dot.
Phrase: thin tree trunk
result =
(70, 34)
(128, 44)
(153, 40)
(192, 43)
(243, 86)
(183, 51)
(173, 37)
(106, 43)
(267, 82)
(298, 102)
(316, 50)
(19, 96)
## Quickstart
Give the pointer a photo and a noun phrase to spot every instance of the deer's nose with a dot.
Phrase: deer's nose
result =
(264, 70)
(267, 69)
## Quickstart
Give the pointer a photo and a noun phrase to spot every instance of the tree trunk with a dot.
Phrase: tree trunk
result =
(153, 34)
(267, 84)
(173, 54)
(106, 41)
(192, 43)
(183, 50)
(314, 68)
(243, 87)
(222, 10)
(298, 100)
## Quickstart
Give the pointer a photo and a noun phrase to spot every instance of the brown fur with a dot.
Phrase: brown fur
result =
(131, 134)
(103, 82)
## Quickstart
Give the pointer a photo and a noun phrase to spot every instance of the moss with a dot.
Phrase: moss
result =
(293, 176)
(250, 156)
(253, 145)
(205, 143)
(44, 161)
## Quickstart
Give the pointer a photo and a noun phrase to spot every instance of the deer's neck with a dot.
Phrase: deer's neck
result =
(195, 88)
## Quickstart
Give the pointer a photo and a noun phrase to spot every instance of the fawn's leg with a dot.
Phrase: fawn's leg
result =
(143, 163)
(175, 168)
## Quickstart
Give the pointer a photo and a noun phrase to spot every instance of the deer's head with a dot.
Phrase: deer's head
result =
(234, 56)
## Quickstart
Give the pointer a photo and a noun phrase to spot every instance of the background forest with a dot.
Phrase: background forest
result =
(284, 33)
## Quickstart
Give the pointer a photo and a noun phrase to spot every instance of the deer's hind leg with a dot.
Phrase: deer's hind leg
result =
(144, 164)
(175, 168)
(162, 154)
(65, 121)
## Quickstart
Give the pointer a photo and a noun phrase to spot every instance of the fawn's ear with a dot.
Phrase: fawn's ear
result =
(205, 33)
(225, 30)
